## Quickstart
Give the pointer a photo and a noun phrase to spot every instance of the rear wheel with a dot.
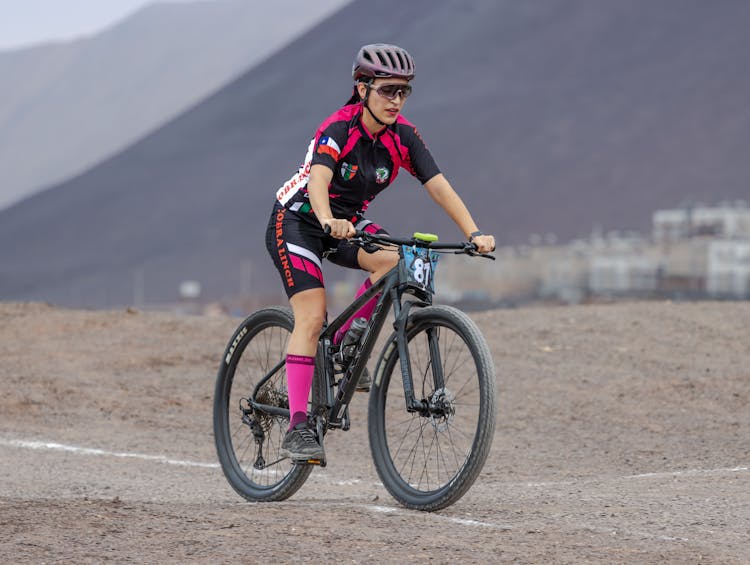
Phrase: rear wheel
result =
(428, 460)
(248, 440)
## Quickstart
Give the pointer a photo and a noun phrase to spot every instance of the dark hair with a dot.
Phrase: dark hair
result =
(354, 98)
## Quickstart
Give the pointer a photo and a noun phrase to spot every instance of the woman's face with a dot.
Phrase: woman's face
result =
(386, 110)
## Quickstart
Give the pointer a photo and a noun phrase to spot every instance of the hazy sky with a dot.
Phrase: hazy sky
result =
(27, 22)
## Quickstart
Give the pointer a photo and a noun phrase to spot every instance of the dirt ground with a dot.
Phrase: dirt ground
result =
(623, 435)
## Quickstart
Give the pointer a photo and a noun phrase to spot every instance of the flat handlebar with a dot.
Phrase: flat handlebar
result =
(369, 242)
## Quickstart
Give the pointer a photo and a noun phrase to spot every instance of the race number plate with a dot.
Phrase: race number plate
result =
(420, 267)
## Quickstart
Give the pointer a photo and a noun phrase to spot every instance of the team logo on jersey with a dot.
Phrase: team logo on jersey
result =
(381, 175)
(328, 146)
(348, 171)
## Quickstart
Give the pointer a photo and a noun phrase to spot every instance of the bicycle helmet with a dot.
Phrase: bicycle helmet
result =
(382, 60)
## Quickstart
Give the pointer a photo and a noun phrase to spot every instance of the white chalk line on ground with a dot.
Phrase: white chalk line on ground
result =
(54, 446)
(656, 475)
(452, 519)
(398, 511)
(688, 473)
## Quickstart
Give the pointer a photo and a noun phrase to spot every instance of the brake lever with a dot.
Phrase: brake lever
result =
(366, 246)
(471, 251)
(370, 247)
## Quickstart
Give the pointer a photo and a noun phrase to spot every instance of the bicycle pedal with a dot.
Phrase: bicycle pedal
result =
(318, 462)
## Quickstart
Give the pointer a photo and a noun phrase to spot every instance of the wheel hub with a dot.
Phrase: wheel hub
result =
(441, 409)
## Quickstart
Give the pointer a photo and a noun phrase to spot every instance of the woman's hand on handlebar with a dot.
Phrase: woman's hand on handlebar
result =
(340, 229)
(484, 243)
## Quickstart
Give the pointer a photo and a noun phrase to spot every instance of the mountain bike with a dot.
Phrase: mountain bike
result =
(431, 407)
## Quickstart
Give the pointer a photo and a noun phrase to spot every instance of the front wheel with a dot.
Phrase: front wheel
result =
(248, 440)
(427, 460)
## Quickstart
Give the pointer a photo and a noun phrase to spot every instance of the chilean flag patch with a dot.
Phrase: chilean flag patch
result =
(328, 146)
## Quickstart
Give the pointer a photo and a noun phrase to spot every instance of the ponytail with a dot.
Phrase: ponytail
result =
(354, 99)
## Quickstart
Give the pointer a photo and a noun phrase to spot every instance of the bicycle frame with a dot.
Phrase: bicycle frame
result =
(392, 287)
(392, 291)
(390, 296)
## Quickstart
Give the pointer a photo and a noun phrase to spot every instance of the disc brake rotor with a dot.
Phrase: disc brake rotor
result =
(442, 409)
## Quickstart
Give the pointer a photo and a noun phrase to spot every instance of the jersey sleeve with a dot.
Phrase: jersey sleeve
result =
(329, 143)
(420, 162)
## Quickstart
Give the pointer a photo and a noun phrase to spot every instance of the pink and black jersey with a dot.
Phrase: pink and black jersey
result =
(362, 165)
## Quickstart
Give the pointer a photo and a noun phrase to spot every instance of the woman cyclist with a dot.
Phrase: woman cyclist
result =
(355, 154)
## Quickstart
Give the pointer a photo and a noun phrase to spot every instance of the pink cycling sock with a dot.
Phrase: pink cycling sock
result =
(364, 312)
(299, 375)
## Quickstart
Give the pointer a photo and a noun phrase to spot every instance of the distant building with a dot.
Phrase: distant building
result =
(729, 269)
(623, 274)
(723, 221)
(684, 267)
(565, 277)
(695, 253)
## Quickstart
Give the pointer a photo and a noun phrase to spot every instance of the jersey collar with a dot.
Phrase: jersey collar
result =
(366, 132)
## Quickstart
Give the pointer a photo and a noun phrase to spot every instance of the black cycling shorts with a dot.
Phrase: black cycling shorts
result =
(297, 245)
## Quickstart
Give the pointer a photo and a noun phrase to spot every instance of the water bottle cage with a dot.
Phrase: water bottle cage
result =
(350, 341)
(345, 354)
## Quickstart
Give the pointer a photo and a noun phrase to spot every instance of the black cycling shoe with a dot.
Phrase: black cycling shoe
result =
(301, 444)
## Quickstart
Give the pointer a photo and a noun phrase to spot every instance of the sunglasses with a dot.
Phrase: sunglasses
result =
(391, 91)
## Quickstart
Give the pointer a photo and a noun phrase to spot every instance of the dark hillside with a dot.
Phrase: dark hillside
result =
(548, 117)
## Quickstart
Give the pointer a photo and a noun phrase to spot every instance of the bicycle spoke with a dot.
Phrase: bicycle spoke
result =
(441, 457)
(425, 458)
(455, 451)
(403, 438)
(418, 451)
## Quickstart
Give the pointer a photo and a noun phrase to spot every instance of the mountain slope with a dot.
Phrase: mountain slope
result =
(65, 106)
(548, 117)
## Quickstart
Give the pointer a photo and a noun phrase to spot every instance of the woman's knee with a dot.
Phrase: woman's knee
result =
(310, 324)
(379, 262)
(309, 309)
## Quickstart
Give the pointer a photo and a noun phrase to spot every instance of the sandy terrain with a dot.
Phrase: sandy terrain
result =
(623, 435)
